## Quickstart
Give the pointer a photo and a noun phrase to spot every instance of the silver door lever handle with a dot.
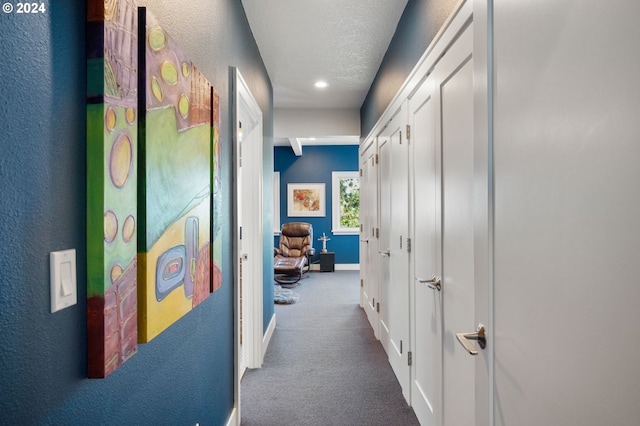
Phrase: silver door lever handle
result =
(434, 283)
(386, 253)
(465, 340)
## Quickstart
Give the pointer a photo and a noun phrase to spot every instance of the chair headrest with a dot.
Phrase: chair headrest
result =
(296, 229)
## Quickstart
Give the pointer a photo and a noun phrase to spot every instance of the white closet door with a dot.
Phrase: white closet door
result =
(567, 212)
(384, 264)
(426, 375)
(368, 240)
(398, 302)
(454, 94)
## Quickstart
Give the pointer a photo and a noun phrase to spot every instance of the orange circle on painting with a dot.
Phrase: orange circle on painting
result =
(156, 88)
(128, 229)
(121, 160)
(116, 272)
(130, 115)
(183, 106)
(169, 73)
(110, 119)
(110, 226)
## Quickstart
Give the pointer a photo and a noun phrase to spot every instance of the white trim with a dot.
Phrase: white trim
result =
(266, 339)
(276, 203)
(338, 267)
(233, 418)
(336, 176)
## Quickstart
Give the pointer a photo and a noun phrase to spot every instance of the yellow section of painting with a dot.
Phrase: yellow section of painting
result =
(160, 315)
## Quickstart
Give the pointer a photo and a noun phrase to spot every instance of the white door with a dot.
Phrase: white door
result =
(567, 213)
(369, 241)
(248, 200)
(426, 374)
(384, 248)
(398, 296)
(453, 77)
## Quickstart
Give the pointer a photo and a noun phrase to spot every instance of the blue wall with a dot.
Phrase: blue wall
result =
(420, 22)
(315, 166)
(183, 376)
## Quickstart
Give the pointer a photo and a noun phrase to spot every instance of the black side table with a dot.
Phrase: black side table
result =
(327, 261)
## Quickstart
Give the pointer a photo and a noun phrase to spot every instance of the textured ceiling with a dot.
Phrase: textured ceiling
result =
(339, 41)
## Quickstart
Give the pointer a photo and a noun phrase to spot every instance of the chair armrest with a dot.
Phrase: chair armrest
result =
(276, 251)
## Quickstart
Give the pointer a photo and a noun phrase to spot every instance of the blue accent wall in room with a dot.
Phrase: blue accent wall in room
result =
(315, 166)
(185, 375)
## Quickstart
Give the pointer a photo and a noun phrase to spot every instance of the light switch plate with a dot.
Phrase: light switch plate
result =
(64, 289)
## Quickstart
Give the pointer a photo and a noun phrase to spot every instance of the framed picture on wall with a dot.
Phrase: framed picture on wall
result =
(306, 200)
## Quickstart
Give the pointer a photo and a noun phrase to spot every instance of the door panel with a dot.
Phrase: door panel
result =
(426, 383)
(369, 242)
(454, 76)
(398, 302)
(567, 205)
(384, 266)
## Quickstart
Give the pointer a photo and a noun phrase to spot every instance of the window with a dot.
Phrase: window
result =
(345, 201)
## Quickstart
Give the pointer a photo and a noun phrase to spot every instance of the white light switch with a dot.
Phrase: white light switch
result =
(63, 279)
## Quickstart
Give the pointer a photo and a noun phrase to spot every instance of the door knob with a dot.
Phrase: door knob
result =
(386, 253)
(466, 338)
(434, 283)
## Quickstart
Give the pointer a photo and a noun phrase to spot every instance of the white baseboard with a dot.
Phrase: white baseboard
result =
(339, 267)
(266, 339)
(233, 418)
(348, 267)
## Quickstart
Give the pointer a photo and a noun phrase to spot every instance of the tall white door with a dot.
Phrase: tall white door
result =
(248, 233)
(398, 296)
(453, 76)
(368, 239)
(567, 213)
(426, 375)
(384, 243)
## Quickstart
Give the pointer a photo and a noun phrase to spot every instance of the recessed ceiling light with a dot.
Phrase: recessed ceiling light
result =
(321, 84)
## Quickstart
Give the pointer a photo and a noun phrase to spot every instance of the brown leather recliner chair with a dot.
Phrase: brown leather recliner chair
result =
(293, 258)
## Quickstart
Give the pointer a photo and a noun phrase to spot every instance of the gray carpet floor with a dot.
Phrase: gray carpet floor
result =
(323, 365)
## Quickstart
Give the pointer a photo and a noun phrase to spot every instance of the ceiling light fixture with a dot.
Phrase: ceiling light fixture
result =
(321, 84)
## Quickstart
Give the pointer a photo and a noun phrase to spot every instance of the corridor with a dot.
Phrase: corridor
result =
(323, 365)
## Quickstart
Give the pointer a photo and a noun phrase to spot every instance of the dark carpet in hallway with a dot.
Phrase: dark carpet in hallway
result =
(324, 365)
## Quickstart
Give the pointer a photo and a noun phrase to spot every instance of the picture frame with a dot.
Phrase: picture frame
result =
(306, 200)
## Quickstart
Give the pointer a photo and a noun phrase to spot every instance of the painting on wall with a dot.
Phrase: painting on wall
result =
(216, 185)
(175, 206)
(112, 123)
(306, 199)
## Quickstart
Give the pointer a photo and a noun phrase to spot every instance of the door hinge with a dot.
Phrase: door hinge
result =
(408, 132)
(378, 307)
(408, 245)
(360, 172)
(400, 242)
(361, 283)
(400, 137)
(377, 232)
(401, 347)
(240, 232)
(409, 358)
(361, 227)
(376, 158)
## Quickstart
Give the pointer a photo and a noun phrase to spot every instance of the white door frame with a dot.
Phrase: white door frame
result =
(245, 108)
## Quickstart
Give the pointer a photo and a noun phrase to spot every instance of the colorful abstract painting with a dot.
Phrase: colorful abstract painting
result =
(175, 206)
(216, 270)
(112, 132)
